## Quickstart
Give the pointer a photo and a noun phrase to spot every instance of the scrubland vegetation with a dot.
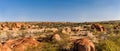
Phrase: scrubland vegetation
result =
(60, 36)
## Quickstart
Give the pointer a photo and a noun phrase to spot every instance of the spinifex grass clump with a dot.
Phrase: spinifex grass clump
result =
(110, 46)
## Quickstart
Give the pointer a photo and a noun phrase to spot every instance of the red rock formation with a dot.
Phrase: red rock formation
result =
(83, 44)
(66, 30)
(8, 45)
(26, 42)
(56, 37)
(98, 27)
(16, 26)
(4, 27)
(19, 45)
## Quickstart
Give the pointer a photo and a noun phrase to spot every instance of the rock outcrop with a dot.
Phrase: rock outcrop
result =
(56, 37)
(19, 45)
(98, 27)
(66, 30)
(83, 44)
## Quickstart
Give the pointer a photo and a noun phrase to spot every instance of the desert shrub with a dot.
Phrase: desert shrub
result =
(115, 39)
(64, 45)
(49, 47)
(118, 41)
(37, 48)
(108, 45)
(43, 47)
(117, 31)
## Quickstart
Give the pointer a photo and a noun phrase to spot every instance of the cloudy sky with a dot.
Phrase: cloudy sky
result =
(59, 10)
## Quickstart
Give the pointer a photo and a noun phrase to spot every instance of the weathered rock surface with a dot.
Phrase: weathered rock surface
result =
(83, 44)
(19, 45)
(98, 27)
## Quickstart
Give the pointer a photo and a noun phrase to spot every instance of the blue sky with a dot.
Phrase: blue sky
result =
(59, 10)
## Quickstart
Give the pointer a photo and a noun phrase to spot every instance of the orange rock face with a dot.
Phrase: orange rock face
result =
(66, 30)
(24, 43)
(56, 37)
(83, 44)
(4, 27)
(98, 27)
(16, 26)
(19, 45)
